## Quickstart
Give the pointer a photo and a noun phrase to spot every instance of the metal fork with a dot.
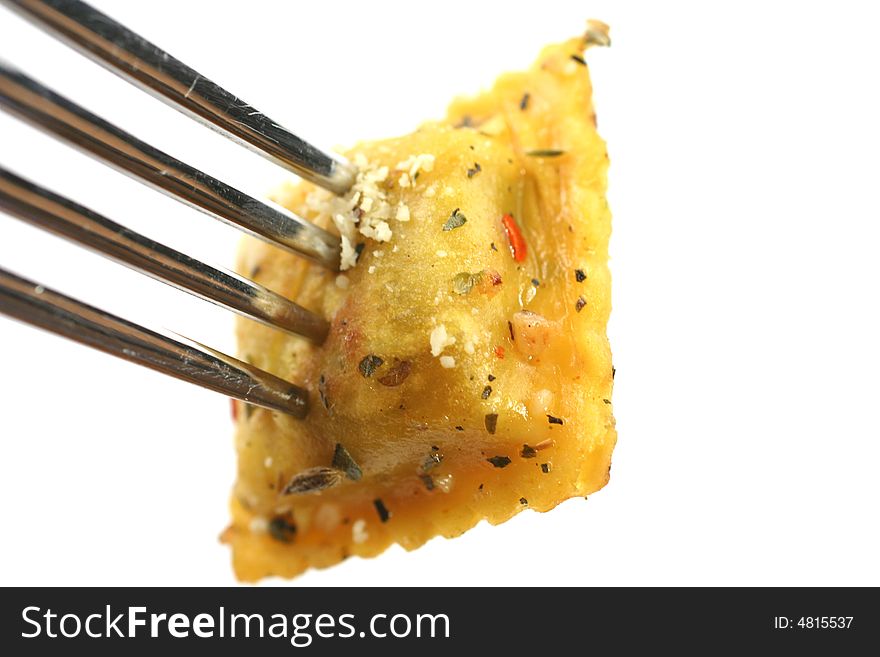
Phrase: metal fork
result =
(140, 62)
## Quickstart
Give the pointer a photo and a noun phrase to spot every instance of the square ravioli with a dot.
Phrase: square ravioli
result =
(467, 374)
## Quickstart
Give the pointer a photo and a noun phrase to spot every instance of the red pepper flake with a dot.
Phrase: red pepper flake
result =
(499, 351)
(233, 406)
(515, 237)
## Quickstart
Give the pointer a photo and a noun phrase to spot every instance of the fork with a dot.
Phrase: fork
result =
(135, 59)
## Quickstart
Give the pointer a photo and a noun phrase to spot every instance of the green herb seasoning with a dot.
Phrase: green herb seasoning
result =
(510, 330)
(528, 452)
(344, 462)
(579, 275)
(369, 364)
(473, 171)
(397, 374)
(499, 461)
(456, 220)
(464, 282)
(358, 249)
(312, 480)
(384, 513)
(579, 304)
(536, 282)
(282, 529)
(428, 480)
(486, 392)
(491, 420)
(524, 101)
(432, 461)
(580, 60)
(523, 501)
(606, 401)
(545, 152)
(545, 468)
(554, 420)
(491, 378)
(322, 391)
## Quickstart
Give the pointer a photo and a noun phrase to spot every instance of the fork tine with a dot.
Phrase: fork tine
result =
(137, 60)
(50, 310)
(42, 208)
(40, 106)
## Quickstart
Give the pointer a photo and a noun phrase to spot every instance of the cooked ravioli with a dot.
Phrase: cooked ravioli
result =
(467, 374)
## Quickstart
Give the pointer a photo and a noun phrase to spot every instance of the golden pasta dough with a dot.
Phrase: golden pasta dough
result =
(467, 374)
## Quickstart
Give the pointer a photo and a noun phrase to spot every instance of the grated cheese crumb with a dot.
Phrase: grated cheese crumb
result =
(371, 269)
(447, 361)
(383, 231)
(342, 282)
(440, 339)
(268, 462)
(359, 531)
(259, 525)
(349, 256)
(469, 347)
(366, 209)
(415, 163)
(441, 254)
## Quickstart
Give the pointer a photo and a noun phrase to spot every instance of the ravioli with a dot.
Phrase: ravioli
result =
(467, 374)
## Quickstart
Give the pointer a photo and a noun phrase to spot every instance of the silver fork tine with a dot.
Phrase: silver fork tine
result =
(46, 210)
(42, 307)
(40, 106)
(122, 51)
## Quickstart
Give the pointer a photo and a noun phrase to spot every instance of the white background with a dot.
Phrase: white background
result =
(745, 155)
